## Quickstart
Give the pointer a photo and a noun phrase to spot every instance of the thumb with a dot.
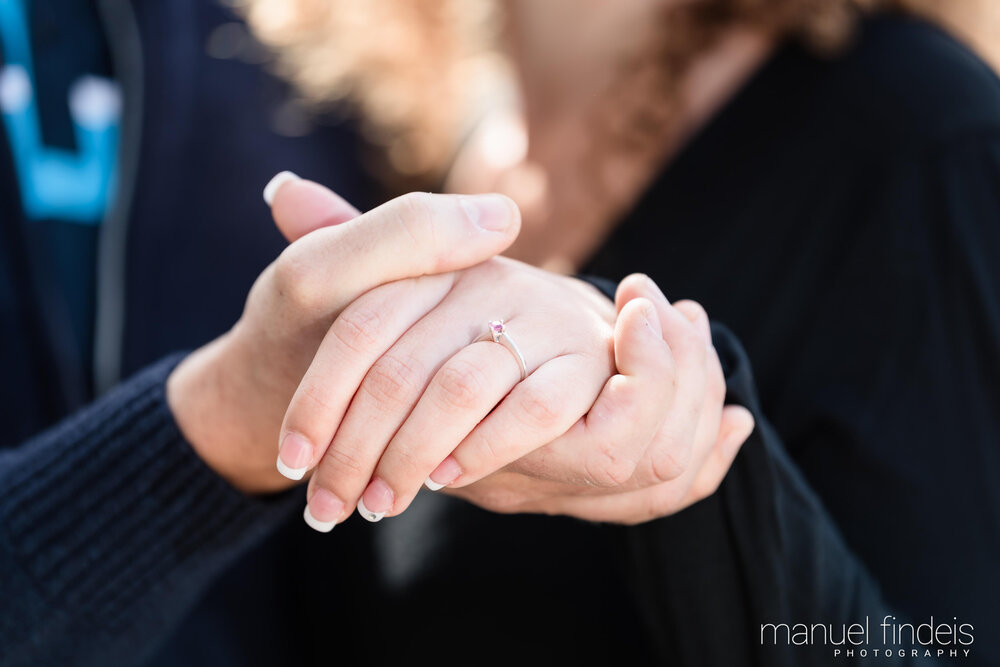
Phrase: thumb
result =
(625, 417)
(300, 206)
(639, 285)
(414, 235)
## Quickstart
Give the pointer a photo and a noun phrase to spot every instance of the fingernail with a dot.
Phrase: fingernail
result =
(323, 510)
(276, 182)
(294, 456)
(375, 501)
(493, 213)
(444, 474)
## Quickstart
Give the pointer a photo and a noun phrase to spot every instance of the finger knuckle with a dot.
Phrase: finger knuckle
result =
(317, 398)
(537, 408)
(461, 384)
(394, 380)
(399, 463)
(606, 468)
(484, 447)
(623, 404)
(358, 328)
(293, 279)
(339, 463)
(667, 465)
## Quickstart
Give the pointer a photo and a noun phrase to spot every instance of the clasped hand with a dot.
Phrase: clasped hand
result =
(390, 383)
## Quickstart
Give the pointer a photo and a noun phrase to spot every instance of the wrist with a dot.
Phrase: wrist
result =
(206, 393)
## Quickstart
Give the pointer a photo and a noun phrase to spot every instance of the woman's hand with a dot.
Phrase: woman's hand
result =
(435, 380)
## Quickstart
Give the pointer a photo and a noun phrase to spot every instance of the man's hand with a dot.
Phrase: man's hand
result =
(229, 396)
(636, 456)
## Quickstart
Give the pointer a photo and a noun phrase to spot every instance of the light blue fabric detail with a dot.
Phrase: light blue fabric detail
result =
(56, 183)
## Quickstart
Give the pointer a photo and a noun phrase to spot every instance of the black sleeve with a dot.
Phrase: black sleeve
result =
(726, 581)
(111, 527)
(890, 409)
(878, 348)
(762, 550)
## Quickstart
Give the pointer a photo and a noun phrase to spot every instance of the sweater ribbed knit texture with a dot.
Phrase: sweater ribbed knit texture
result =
(111, 516)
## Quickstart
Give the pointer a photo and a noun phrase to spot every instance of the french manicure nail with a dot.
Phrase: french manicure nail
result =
(316, 524)
(368, 515)
(493, 213)
(276, 182)
(294, 456)
(375, 501)
(446, 473)
(322, 511)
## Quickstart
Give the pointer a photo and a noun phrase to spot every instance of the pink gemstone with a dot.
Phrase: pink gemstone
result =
(496, 326)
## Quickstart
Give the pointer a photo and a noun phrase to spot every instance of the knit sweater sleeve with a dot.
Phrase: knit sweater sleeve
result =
(715, 579)
(718, 580)
(110, 528)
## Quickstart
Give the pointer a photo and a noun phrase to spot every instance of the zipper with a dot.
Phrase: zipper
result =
(125, 45)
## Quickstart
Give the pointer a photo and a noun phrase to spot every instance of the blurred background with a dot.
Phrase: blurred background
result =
(568, 107)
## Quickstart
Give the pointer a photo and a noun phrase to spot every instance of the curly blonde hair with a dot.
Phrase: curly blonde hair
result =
(418, 73)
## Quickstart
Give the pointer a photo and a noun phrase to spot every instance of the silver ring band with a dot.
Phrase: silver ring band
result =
(499, 334)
